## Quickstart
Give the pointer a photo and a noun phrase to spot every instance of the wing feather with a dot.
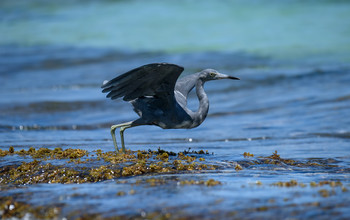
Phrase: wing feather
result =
(156, 79)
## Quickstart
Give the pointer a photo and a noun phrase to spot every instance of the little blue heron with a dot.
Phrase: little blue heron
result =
(159, 98)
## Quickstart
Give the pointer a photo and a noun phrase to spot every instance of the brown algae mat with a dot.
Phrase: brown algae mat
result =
(80, 166)
(40, 170)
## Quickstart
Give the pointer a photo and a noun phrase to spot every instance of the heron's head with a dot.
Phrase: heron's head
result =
(210, 74)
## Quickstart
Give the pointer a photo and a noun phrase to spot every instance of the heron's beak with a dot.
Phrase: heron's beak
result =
(233, 77)
(223, 76)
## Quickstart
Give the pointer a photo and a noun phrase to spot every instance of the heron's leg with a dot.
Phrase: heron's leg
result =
(122, 127)
(113, 137)
(122, 136)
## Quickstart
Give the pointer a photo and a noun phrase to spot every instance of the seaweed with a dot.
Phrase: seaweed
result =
(113, 166)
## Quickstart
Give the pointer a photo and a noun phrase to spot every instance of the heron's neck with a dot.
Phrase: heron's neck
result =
(203, 108)
(186, 84)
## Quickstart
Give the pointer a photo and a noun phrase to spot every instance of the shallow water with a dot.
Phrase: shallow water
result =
(50, 96)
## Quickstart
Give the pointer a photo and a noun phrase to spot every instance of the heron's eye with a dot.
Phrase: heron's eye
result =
(212, 74)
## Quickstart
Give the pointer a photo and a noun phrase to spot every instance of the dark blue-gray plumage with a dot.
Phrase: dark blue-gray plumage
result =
(159, 98)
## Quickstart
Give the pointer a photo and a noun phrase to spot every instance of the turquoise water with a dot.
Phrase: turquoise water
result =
(293, 97)
(272, 28)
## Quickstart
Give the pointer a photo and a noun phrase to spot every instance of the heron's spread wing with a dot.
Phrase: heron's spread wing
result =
(156, 79)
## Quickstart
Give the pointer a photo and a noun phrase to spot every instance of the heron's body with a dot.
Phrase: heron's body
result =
(152, 110)
(159, 98)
